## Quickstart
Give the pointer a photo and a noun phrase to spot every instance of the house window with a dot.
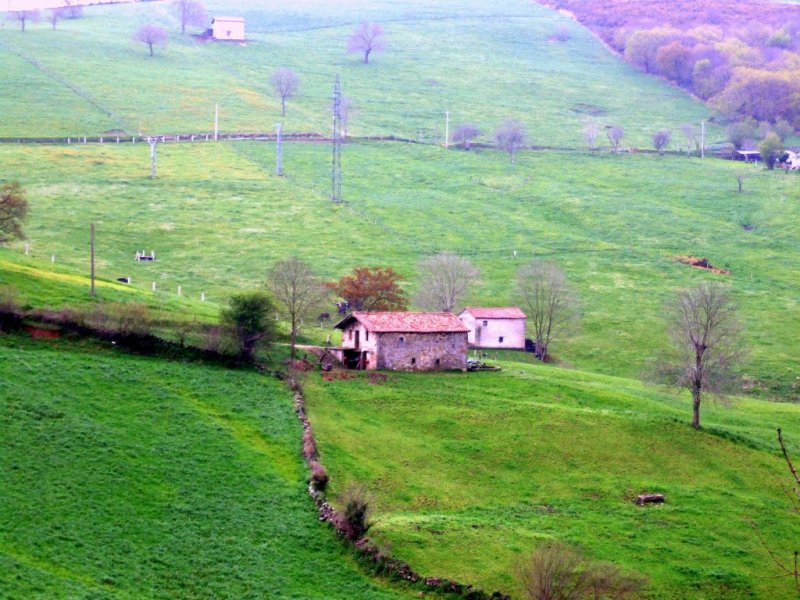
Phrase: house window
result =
(413, 361)
(437, 362)
(485, 323)
(351, 334)
(366, 336)
(501, 339)
(402, 339)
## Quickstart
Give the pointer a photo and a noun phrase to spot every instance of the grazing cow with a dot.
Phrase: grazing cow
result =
(342, 307)
(124, 279)
(323, 317)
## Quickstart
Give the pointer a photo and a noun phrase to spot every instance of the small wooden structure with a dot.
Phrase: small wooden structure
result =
(228, 29)
(643, 499)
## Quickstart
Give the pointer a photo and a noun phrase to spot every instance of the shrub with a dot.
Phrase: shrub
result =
(355, 517)
(319, 476)
(309, 445)
(112, 319)
(10, 311)
(771, 149)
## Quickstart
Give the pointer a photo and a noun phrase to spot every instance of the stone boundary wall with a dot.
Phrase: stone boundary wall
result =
(364, 548)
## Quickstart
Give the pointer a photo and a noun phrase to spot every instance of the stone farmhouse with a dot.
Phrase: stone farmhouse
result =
(403, 341)
(501, 327)
(229, 29)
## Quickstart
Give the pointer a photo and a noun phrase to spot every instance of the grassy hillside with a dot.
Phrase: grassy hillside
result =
(129, 477)
(471, 471)
(218, 218)
(482, 62)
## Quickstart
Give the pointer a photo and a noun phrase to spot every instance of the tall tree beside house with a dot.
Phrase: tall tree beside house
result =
(771, 149)
(705, 345)
(250, 320)
(190, 13)
(298, 291)
(366, 39)
(510, 137)
(371, 289)
(443, 281)
(549, 302)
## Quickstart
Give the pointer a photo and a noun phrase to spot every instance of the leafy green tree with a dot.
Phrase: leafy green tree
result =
(13, 211)
(250, 318)
(771, 149)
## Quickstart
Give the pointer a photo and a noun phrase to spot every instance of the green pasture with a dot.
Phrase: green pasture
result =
(126, 477)
(218, 217)
(482, 62)
(469, 472)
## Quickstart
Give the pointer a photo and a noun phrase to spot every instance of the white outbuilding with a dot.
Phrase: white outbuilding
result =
(228, 29)
(495, 327)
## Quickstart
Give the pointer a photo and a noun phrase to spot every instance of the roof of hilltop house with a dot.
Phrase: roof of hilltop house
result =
(232, 19)
(507, 312)
(406, 322)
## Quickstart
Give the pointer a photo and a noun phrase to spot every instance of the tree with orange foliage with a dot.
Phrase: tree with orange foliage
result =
(371, 289)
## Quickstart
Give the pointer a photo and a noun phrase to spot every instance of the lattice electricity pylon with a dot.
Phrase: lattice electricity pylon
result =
(336, 167)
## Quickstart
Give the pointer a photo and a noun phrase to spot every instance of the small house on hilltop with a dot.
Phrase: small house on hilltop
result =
(500, 327)
(229, 29)
(403, 341)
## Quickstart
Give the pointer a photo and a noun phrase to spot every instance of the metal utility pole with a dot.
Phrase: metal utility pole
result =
(153, 142)
(91, 238)
(278, 151)
(216, 122)
(336, 167)
(446, 130)
(702, 139)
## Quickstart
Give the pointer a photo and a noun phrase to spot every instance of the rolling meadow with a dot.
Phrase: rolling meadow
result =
(127, 476)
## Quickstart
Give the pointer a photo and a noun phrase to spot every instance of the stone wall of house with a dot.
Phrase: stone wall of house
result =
(422, 351)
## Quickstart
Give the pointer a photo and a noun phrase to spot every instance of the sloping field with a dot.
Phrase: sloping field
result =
(471, 471)
(129, 477)
(484, 63)
(217, 218)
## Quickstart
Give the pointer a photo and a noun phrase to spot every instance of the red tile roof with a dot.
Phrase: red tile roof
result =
(507, 312)
(407, 322)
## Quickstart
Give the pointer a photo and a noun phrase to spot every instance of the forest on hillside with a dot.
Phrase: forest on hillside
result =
(742, 57)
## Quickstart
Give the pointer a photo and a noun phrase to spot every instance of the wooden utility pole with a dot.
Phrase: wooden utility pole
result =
(446, 130)
(278, 150)
(336, 167)
(91, 236)
(216, 122)
(152, 141)
(702, 139)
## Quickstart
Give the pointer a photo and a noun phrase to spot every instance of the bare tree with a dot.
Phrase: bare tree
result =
(548, 301)
(190, 13)
(465, 133)
(788, 568)
(608, 582)
(510, 136)
(692, 138)
(704, 332)
(74, 10)
(25, 16)
(554, 572)
(285, 83)
(150, 36)
(444, 279)
(298, 290)
(661, 140)
(366, 38)
(740, 181)
(346, 109)
(591, 131)
(55, 15)
(615, 133)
